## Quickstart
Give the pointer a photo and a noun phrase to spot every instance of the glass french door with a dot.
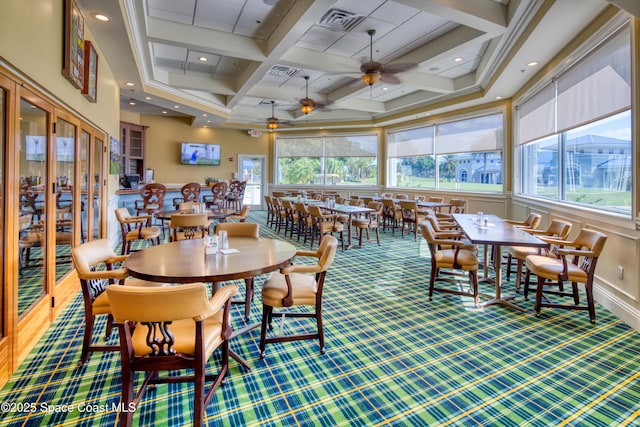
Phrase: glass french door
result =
(253, 170)
(32, 210)
(65, 165)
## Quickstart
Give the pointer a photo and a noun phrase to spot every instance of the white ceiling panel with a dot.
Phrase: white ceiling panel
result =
(252, 37)
(394, 13)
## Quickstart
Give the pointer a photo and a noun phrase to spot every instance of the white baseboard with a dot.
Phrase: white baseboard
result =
(626, 313)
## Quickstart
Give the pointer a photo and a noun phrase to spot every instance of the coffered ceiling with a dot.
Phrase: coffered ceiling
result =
(222, 62)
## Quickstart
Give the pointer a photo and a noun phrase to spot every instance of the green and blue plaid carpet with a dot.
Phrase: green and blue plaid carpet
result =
(393, 358)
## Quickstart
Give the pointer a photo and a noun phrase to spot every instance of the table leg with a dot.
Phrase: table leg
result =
(497, 266)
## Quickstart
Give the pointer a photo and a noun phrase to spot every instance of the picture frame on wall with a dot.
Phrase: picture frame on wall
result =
(73, 55)
(90, 88)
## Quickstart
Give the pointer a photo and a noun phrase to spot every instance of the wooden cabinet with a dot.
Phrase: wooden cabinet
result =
(132, 139)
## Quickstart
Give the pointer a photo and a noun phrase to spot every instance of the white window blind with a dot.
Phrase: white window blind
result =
(409, 143)
(536, 116)
(597, 85)
(471, 135)
(351, 146)
(299, 147)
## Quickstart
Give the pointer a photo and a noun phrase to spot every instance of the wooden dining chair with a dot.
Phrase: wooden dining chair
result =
(392, 215)
(190, 193)
(325, 224)
(188, 226)
(575, 263)
(557, 229)
(531, 222)
(242, 229)
(447, 257)
(240, 216)
(133, 228)
(171, 329)
(97, 267)
(216, 199)
(411, 217)
(152, 202)
(297, 285)
(456, 206)
(369, 221)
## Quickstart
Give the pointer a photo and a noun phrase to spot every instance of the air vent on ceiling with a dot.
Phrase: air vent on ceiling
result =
(340, 20)
(282, 71)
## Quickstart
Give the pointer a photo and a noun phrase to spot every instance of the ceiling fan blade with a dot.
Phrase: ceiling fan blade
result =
(390, 78)
(398, 68)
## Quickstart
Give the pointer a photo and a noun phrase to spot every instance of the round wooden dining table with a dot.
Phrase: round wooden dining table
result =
(184, 261)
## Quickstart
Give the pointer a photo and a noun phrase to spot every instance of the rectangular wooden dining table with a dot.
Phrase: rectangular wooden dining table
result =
(496, 233)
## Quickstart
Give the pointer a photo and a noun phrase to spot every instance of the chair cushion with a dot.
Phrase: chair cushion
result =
(550, 268)
(184, 334)
(521, 252)
(466, 260)
(274, 289)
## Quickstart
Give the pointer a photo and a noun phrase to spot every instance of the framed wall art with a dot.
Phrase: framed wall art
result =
(90, 88)
(73, 55)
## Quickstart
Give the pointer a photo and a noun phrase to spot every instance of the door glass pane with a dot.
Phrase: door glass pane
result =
(3, 139)
(96, 167)
(65, 161)
(252, 173)
(85, 139)
(33, 175)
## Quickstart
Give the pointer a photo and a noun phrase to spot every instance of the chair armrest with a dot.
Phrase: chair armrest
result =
(555, 241)
(575, 252)
(452, 242)
(116, 259)
(447, 234)
(218, 300)
(301, 268)
(307, 253)
(105, 274)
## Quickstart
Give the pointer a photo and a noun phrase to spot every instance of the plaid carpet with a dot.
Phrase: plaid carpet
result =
(393, 358)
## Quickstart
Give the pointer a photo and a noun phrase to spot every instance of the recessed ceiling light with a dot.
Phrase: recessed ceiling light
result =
(176, 106)
(204, 114)
(208, 121)
(148, 98)
(164, 112)
(132, 103)
(458, 59)
(385, 88)
(532, 64)
(203, 59)
(498, 97)
(129, 84)
(101, 17)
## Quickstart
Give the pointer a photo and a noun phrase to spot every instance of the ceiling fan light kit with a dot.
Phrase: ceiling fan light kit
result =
(307, 104)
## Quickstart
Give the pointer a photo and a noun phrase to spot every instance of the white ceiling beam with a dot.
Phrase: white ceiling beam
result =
(487, 16)
(302, 15)
(207, 84)
(204, 40)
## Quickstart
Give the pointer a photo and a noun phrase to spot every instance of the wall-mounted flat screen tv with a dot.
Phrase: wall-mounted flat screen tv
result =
(192, 153)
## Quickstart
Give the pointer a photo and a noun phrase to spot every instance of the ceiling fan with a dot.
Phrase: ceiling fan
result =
(307, 104)
(273, 122)
(374, 71)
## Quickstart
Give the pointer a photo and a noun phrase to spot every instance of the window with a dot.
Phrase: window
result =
(586, 158)
(464, 154)
(329, 160)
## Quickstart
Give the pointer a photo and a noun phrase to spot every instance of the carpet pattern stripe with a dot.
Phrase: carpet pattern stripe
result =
(393, 358)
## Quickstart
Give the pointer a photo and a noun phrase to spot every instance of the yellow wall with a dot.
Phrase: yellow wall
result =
(162, 151)
(31, 40)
